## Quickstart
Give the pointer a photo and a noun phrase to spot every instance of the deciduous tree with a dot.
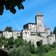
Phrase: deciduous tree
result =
(8, 29)
(10, 5)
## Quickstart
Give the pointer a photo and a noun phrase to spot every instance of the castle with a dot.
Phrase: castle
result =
(36, 32)
(33, 32)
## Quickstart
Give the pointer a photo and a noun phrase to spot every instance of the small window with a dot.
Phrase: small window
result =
(25, 32)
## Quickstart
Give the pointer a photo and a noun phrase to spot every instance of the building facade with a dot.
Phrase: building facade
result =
(13, 34)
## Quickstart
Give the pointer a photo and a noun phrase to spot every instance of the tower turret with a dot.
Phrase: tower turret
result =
(39, 22)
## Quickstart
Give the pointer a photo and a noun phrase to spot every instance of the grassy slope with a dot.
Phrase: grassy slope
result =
(51, 53)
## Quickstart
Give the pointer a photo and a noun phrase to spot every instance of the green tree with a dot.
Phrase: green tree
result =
(20, 51)
(47, 48)
(19, 41)
(8, 29)
(41, 51)
(10, 5)
(54, 45)
(10, 43)
(2, 40)
(54, 31)
(31, 47)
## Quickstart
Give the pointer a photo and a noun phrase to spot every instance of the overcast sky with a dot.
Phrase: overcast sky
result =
(31, 8)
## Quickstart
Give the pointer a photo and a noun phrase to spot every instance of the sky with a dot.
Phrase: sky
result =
(31, 8)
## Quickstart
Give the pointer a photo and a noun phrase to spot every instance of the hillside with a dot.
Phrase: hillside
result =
(51, 53)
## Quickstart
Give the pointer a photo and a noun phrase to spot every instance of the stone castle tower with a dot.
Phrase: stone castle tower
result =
(39, 22)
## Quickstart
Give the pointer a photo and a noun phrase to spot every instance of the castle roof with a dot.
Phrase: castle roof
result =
(26, 25)
(30, 23)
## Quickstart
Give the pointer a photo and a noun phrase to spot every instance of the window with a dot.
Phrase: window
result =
(25, 32)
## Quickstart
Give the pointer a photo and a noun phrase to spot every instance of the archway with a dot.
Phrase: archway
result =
(3, 53)
(39, 43)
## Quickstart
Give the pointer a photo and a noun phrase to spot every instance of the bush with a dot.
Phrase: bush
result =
(41, 51)
(46, 48)
(31, 47)
(54, 45)
(36, 50)
(20, 51)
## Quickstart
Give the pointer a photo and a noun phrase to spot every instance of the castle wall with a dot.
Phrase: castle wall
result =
(7, 34)
(51, 39)
(47, 31)
(44, 41)
(14, 34)
(32, 27)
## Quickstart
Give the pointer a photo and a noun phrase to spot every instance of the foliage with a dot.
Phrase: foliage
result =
(19, 47)
(22, 48)
(10, 43)
(41, 51)
(51, 53)
(46, 48)
(8, 29)
(54, 31)
(19, 41)
(21, 51)
(2, 40)
(36, 50)
(54, 45)
(31, 47)
(10, 5)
